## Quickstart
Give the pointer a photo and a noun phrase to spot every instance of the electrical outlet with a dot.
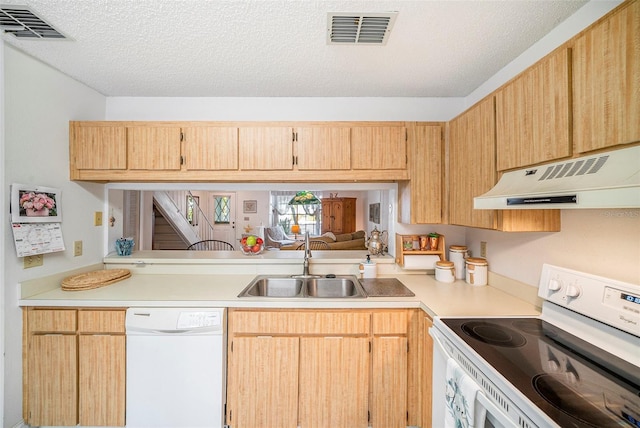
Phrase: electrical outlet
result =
(32, 261)
(77, 248)
(97, 218)
(483, 249)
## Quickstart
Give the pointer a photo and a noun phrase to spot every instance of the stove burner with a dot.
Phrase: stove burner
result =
(493, 334)
(530, 326)
(569, 402)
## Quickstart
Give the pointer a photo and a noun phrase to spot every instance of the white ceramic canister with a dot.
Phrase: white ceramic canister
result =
(445, 271)
(458, 254)
(477, 271)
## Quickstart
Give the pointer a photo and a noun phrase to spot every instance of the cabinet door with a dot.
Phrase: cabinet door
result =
(327, 216)
(334, 381)
(337, 217)
(99, 147)
(420, 199)
(210, 148)
(153, 148)
(532, 115)
(323, 148)
(381, 147)
(606, 82)
(52, 380)
(389, 359)
(266, 148)
(262, 384)
(101, 371)
(472, 164)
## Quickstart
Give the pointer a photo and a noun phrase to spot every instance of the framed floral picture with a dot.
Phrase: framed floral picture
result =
(249, 207)
(35, 204)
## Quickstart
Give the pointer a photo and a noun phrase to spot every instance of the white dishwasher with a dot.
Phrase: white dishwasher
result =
(175, 367)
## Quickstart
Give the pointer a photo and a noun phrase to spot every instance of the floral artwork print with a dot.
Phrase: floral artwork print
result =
(37, 204)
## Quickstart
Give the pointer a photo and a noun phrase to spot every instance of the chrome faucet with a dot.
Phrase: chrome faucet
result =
(307, 255)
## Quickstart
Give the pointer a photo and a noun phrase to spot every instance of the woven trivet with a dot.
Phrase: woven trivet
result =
(95, 279)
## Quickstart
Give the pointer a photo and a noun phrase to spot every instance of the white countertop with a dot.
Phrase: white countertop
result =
(221, 290)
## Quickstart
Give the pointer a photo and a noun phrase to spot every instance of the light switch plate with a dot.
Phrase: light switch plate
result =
(97, 218)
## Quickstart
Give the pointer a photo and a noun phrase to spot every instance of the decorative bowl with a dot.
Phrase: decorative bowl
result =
(251, 245)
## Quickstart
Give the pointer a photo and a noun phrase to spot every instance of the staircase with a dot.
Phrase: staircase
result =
(165, 236)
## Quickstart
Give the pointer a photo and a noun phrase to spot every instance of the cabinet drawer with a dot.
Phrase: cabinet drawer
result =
(101, 321)
(392, 322)
(52, 320)
(312, 322)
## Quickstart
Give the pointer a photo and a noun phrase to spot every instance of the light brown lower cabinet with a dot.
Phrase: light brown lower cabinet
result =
(74, 367)
(53, 386)
(334, 381)
(262, 380)
(318, 368)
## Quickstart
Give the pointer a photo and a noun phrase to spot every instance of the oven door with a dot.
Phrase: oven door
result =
(486, 413)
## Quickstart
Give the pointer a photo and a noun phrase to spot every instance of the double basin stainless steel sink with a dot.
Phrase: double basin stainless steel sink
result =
(312, 286)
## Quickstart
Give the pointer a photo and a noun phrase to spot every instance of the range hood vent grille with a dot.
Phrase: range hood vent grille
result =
(573, 168)
(25, 24)
(350, 28)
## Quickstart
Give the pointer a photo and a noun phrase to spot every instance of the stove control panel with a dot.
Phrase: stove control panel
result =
(609, 301)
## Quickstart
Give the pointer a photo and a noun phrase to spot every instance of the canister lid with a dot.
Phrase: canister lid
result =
(477, 261)
(444, 264)
(458, 248)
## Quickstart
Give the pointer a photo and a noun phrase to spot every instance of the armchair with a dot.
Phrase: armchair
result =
(275, 237)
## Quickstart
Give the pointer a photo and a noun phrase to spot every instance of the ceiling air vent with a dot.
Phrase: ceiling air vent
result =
(364, 28)
(24, 24)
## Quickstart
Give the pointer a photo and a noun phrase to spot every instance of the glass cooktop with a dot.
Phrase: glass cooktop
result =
(573, 382)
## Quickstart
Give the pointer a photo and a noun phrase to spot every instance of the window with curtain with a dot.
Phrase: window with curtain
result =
(308, 217)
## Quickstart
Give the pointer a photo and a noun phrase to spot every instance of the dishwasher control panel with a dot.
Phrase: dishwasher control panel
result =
(199, 319)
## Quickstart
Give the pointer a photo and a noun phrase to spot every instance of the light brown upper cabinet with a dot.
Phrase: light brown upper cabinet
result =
(98, 147)
(323, 148)
(532, 115)
(379, 147)
(606, 81)
(266, 148)
(153, 148)
(237, 151)
(472, 169)
(420, 198)
(210, 148)
(472, 172)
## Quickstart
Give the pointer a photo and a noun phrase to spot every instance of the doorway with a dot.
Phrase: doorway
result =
(224, 217)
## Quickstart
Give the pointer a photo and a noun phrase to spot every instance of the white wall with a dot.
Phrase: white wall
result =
(283, 109)
(601, 242)
(39, 102)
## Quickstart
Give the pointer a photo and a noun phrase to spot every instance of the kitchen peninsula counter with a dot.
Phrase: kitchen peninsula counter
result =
(174, 280)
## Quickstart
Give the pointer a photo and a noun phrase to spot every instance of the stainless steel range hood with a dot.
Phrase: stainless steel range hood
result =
(603, 180)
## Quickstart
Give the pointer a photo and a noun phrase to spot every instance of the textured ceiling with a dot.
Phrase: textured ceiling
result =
(262, 48)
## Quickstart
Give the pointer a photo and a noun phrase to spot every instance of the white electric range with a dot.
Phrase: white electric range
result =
(577, 365)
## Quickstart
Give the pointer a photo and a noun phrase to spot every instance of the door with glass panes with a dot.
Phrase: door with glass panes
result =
(224, 218)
